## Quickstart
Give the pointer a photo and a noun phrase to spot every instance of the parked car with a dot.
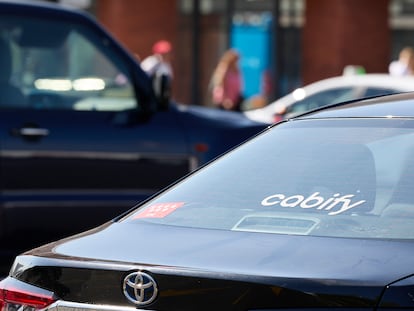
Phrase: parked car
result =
(83, 135)
(330, 91)
(315, 213)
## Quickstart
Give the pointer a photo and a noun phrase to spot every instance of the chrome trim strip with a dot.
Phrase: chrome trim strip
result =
(74, 197)
(73, 203)
(68, 154)
(29, 131)
(78, 191)
(194, 163)
(25, 262)
(62, 305)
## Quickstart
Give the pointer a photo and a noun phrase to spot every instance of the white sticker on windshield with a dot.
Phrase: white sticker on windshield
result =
(336, 204)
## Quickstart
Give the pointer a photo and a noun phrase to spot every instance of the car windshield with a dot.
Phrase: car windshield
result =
(335, 178)
(55, 64)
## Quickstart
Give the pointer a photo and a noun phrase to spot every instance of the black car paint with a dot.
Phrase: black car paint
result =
(208, 269)
(199, 264)
(83, 169)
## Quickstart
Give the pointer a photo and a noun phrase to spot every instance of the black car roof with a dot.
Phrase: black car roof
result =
(386, 106)
(40, 7)
(37, 3)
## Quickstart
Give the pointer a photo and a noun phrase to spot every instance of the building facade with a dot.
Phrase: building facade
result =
(283, 43)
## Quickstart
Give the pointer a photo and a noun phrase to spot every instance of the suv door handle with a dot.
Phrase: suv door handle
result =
(30, 132)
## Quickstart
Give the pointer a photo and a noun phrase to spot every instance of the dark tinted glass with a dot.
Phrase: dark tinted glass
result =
(347, 178)
(56, 64)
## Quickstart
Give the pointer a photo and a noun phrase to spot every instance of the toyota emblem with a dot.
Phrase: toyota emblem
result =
(140, 288)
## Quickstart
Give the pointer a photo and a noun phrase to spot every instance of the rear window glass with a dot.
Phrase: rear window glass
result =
(375, 91)
(324, 98)
(342, 178)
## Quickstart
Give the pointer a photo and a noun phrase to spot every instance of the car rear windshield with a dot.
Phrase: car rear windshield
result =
(336, 178)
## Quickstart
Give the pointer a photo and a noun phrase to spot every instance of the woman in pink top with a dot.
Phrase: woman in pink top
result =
(227, 82)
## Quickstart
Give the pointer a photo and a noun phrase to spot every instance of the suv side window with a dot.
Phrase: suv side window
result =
(69, 68)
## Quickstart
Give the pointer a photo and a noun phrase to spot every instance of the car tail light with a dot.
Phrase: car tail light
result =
(16, 295)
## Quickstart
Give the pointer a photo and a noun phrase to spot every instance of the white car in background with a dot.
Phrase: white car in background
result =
(330, 91)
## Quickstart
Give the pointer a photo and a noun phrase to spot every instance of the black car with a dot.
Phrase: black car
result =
(83, 134)
(316, 212)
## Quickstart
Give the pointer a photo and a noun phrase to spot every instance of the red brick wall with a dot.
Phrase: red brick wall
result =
(336, 33)
(344, 32)
(138, 24)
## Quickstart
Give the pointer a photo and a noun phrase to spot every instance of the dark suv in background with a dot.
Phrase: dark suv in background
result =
(82, 131)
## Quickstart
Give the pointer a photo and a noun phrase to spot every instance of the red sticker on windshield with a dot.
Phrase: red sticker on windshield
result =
(159, 210)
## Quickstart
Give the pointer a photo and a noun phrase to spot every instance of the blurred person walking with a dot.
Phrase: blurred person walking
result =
(227, 82)
(159, 63)
(404, 66)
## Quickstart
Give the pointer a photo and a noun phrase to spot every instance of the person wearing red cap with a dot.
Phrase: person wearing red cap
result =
(159, 63)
